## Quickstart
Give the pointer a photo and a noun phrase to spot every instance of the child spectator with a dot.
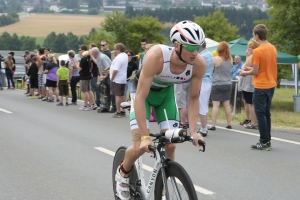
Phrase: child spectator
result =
(63, 82)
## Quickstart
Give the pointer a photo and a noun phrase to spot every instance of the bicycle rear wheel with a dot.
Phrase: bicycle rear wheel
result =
(180, 185)
(119, 157)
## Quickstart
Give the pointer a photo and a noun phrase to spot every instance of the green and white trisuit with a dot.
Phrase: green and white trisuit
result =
(161, 94)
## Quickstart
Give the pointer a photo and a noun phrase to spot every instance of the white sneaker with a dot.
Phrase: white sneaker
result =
(126, 104)
(163, 197)
(84, 108)
(94, 106)
(122, 192)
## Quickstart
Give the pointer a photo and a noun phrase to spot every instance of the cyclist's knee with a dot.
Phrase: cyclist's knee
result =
(170, 147)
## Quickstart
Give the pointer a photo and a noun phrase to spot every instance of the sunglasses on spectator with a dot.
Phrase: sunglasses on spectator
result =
(191, 48)
(102, 45)
(129, 55)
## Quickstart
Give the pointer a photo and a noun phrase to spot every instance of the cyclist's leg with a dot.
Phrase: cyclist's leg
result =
(132, 153)
(168, 103)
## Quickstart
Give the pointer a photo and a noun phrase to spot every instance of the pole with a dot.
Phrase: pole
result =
(235, 95)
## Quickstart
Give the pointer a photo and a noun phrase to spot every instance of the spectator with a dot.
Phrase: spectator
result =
(63, 83)
(95, 54)
(51, 83)
(1, 73)
(104, 63)
(221, 84)
(105, 49)
(236, 67)
(33, 76)
(245, 85)
(205, 89)
(82, 49)
(85, 68)
(14, 61)
(27, 59)
(181, 96)
(234, 72)
(92, 45)
(131, 70)
(74, 76)
(118, 74)
(264, 69)
(8, 65)
(144, 43)
(41, 65)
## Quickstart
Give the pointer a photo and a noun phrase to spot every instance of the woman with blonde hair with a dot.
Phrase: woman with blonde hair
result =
(245, 84)
(51, 82)
(8, 65)
(221, 84)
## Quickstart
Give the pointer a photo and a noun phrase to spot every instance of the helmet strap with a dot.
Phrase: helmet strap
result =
(179, 54)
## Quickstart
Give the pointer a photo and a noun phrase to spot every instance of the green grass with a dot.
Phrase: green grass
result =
(40, 40)
(282, 111)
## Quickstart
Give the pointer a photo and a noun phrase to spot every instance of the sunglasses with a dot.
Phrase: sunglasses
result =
(191, 48)
(102, 45)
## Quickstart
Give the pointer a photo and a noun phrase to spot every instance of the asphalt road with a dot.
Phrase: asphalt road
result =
(49, 152)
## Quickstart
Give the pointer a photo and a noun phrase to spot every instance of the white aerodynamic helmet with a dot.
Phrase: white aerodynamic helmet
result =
(187, 32)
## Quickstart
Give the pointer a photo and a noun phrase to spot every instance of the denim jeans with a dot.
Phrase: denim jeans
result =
(9, 76)
(95, 91)
(110, 99)
(74, 81)
(262, 99)
(127, 88)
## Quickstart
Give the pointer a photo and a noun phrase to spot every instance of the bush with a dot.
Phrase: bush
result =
(93, 11)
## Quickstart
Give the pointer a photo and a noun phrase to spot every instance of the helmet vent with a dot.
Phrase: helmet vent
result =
(190, 32)
(176, 31)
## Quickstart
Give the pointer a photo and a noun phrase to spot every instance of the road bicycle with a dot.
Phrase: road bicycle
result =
(168, 179)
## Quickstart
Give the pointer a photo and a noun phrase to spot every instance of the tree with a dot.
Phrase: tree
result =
(70, 4)
(49, 41)
(216, 27)
(28, 43)
(97, 37)
(72, 42)
(144, 27)
(116, 23)
(95, 4)
(93, 11)
(60, 44)
(284, 25)
(131, 31)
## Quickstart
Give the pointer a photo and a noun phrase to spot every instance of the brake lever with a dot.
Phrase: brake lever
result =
(153, 149)
(200, 142)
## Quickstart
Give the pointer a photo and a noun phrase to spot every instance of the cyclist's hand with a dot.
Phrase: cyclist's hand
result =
(196, 137)
(144, 145)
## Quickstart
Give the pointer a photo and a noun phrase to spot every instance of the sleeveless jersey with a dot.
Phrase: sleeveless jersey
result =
(166, 78)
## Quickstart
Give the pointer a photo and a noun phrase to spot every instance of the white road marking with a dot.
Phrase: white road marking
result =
(5, 111)
(148, 168)
(257, 135)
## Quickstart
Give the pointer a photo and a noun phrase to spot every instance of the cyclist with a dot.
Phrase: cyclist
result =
(163, 67)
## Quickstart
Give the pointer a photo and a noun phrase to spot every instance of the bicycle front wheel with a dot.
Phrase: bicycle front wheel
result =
(180, 185)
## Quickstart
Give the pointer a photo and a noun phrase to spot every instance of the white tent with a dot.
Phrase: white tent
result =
(210, 42)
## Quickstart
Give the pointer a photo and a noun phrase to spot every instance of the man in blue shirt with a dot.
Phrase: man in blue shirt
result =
(205, 88)
(238, 65)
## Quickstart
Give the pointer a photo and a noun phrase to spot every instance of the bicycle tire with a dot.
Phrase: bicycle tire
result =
(119, 157)
(175, 170)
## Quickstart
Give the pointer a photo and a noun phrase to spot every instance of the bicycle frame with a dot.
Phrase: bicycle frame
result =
(146, 191)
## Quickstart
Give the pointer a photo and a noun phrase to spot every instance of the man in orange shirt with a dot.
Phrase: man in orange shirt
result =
(264, 73)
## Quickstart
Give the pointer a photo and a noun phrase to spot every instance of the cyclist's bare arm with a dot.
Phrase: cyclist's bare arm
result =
(152, 64)
(193, 102)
